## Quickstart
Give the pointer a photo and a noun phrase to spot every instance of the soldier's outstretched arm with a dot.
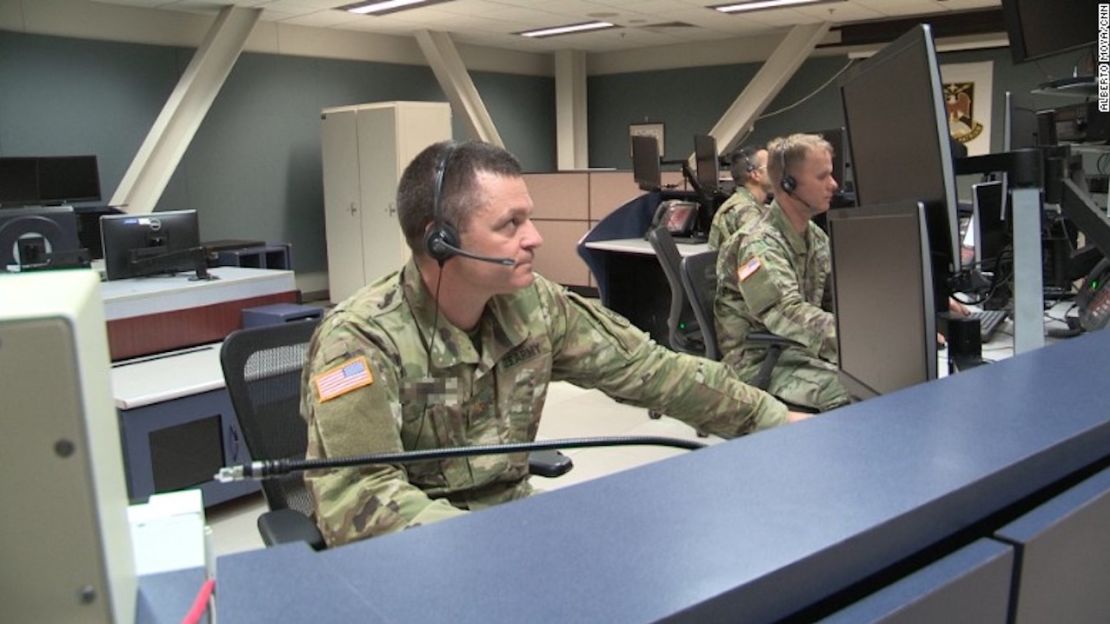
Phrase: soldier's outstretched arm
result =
(596, 348)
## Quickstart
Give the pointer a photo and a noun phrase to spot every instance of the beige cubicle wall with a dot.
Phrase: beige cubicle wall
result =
(567, 205)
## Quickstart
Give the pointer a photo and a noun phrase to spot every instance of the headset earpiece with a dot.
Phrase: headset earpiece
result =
(442, 239)
(788, 183)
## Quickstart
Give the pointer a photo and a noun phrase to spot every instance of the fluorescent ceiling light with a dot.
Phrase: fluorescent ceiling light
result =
(563, 30)
(756, 5)
(381, 7)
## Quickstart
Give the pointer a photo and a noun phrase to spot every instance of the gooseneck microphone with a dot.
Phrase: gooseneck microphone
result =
(439, 246)
(266, 468)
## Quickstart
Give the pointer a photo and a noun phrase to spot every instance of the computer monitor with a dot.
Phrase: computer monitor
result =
(32, 235)
(19, 184)
(706, 165)
(68, 179)
(1038, 28)
(128, 239)
(1020, 126)
(883, 297)
(645, 163)
(898, 136)
(990, 223)
(48, 180)
(68, 555)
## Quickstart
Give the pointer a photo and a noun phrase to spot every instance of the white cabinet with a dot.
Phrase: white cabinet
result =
(365, 149)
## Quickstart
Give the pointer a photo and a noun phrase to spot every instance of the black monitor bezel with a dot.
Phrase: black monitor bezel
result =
(646, 166)
(1017, 32)
(707, 166)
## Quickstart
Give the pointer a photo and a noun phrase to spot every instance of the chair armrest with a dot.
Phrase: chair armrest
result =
(282, 526)
(549, 464)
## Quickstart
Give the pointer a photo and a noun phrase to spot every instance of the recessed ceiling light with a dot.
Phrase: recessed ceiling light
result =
(756, 5)
(381, 7)
(564, 30)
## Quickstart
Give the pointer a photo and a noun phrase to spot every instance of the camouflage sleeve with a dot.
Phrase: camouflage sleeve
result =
(770, 288)
(356, 503)
(596, 348)
(728, 305)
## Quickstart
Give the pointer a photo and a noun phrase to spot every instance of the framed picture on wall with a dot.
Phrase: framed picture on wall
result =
(647, 128)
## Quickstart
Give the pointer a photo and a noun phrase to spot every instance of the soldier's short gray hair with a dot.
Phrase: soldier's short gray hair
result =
(784, 153)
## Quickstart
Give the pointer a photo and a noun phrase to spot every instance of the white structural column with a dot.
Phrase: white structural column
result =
(570, 110)
(768, 81)
(169, 137)
(453, 78)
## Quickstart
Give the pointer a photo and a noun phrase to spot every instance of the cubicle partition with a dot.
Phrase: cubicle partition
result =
(875, 507)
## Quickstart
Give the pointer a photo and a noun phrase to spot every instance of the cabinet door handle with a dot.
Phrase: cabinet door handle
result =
(353, 209)
(392, 209)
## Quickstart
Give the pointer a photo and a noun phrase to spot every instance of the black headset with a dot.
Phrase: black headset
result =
(442, 239)
(788, 183)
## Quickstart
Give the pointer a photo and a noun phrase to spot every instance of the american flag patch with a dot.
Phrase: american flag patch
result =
(349, 375)
(751, 266)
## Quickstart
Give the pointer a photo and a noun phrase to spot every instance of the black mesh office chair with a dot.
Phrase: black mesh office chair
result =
(699, 278)
(262, 371)
(685, 334)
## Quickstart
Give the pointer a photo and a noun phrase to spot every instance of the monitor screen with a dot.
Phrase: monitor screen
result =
(1038, 28)
(19, 181)
(162, 231)
(883, 297)
(706, 165)
(28, 233)
(898, 136)
(645, 163)
(989, 222)
(68, 178)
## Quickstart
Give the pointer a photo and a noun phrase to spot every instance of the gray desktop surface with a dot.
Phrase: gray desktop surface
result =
(166, 597)
(754, 529)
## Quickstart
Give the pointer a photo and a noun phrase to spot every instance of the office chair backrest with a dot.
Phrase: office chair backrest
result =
(684, 333)
(262, 370)
(699, 278)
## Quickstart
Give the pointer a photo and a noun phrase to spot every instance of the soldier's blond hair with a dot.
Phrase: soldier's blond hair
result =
(787, 152)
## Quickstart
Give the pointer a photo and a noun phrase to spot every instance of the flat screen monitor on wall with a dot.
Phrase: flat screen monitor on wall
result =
(128, 239)
(898, 136)
(706, 165)
(19, 181)
(883, 297)
(1040, 28)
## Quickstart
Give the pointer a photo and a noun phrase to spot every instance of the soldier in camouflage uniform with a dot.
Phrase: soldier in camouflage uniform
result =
(390, 370)
(773, 276)
(745, 205)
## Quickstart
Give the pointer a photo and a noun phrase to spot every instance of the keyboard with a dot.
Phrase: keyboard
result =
(989, 321)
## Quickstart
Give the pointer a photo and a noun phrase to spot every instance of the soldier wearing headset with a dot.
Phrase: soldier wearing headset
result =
(458, 347)
(745, 205)
(773, 276)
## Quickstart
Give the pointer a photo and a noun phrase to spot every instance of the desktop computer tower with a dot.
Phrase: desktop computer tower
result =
(67, 553)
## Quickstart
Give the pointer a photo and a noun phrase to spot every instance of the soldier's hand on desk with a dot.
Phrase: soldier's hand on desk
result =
(797, 416)
(955, 307)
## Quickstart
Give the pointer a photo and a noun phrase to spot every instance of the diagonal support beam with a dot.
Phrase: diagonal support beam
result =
(453, 78)
(794, 49)
(570, 110)
(146, 178)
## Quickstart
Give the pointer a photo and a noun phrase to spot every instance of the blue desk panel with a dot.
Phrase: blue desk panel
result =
(1064, 555)
(751, 530)
(969, 585)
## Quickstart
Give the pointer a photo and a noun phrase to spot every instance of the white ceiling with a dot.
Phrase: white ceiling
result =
(493, 22)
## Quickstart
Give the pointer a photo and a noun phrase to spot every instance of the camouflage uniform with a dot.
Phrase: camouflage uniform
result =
(771, 279)
(488, 387)
(740, 209)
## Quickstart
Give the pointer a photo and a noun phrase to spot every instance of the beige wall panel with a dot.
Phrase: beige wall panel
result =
(558, 259)
(559, 195)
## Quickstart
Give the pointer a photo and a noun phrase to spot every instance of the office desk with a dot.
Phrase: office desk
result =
(154, 314)
(754, 529)
(177, 424)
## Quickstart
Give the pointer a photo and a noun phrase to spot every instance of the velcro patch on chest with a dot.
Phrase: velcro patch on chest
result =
(746, 270)
(350, 375)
